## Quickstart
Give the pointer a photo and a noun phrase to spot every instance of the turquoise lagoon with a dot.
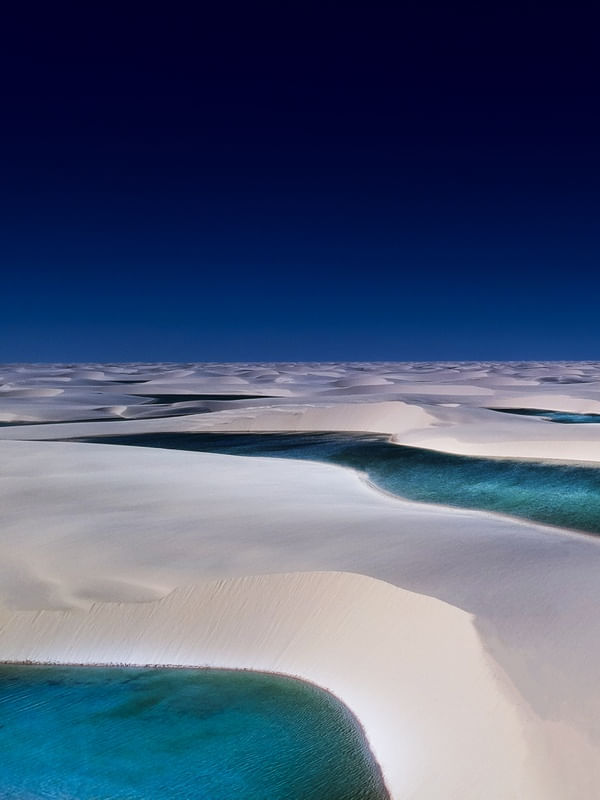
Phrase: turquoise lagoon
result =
(566, 495)
(113, 733)
(564, 417)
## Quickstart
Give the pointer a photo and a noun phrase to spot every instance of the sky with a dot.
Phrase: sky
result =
(299, 181)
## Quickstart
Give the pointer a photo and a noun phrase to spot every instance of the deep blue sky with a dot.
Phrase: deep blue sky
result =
(300, 181)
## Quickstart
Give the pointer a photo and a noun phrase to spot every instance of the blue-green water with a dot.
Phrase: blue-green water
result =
(567, 495)
(91, 733)
(565, 417)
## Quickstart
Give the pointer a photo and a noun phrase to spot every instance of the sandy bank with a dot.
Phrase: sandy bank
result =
(87, 530)
(376, 417)
(411, 668)
(442, 406)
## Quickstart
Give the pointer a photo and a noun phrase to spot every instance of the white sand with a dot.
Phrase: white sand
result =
(485, 688)
(443, 406)
(411, 668)
(86, 524)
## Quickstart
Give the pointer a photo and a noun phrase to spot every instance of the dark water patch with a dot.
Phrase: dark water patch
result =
(564, 417)
(58, 421)
(567, 495)
(169, 412)
(12, 424)
(566, 379)
(183, 398)
(161, 734)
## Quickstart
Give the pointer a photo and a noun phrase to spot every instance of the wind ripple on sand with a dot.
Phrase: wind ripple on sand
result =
(438, 716)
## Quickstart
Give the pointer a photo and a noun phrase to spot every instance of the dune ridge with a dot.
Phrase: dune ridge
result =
(465, 643)
(444, 406)
(409, 667)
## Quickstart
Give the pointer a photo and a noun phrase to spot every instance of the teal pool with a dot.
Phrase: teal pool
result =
(565, 417)
(567, 495)
(112, 733)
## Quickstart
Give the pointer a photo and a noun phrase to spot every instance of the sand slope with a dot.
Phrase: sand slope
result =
(486, 687)
(88, 526)
(410, 667)
(439, 406)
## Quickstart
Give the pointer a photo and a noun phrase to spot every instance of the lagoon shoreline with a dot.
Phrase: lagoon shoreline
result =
(453, 636)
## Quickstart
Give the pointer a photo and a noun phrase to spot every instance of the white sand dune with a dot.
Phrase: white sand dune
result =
(466, 643)
(480, 432)
(85, 526)
(254, 415)
(411, 402)
(438, 715)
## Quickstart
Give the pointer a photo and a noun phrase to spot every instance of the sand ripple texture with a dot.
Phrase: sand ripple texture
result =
(465, 643)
